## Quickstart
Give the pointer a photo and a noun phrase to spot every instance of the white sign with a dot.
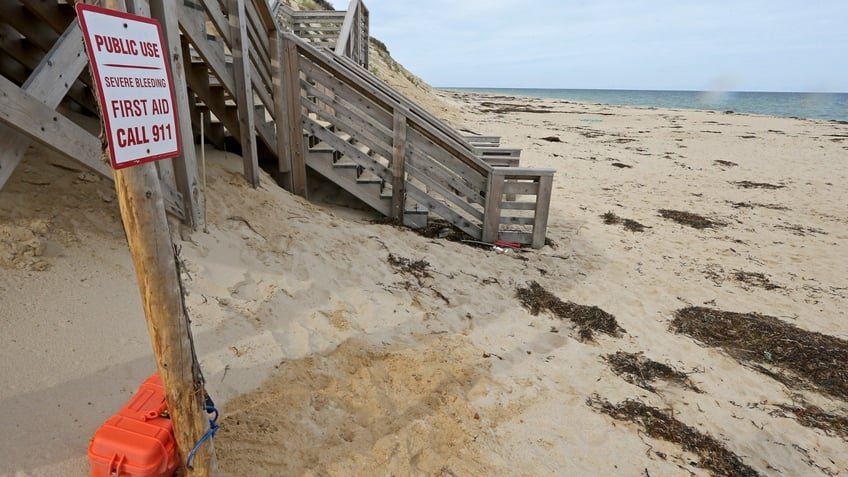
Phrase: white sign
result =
(130, 67)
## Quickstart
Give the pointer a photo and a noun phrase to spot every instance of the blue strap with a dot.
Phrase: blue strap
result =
(213, 428)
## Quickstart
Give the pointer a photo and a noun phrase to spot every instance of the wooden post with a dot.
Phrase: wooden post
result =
(292, 121)
(149, 237)
(184, 166)
(240, 47)
(398, 165)
(492, 213)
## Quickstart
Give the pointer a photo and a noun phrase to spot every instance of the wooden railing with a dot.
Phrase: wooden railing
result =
(344, 32)
(424, 160)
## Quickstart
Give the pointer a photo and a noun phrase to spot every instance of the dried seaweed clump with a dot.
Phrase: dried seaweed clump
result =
(588, 319)
(641, 371)
(416, 268)
(662, 425)
(687, 218)
(631, 225)
(444, 230)
(758, 185)
(817, 418)
(755, 279)
(812, 359)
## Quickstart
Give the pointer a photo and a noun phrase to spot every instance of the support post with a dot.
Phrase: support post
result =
(492, 213)
(149, 237)
(293, 130)
(398, 165)
(284, 176)
(184, 166)
(240, 48)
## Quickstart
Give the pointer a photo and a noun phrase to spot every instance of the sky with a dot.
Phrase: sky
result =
(709, 45)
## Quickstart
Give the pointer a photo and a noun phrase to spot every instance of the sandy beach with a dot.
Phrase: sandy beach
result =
(687, 317)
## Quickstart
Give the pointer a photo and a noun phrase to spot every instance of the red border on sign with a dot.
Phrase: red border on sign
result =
(80, 7)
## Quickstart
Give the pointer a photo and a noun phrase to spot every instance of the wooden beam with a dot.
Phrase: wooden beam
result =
(240, 48)
(48, 84)
(398, 165)
(492, 217)
(184, 166)
(292, 130)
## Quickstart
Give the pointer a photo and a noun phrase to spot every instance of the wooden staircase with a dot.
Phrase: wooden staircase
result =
(295, 105)
(400, 159)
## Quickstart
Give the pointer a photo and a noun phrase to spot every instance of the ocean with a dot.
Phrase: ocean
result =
(827, 106)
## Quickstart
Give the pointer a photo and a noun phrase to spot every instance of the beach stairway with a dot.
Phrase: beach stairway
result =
(401, 160)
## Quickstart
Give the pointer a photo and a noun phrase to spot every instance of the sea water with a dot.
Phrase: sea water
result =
(828, 106)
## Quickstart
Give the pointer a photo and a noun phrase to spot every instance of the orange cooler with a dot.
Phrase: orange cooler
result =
(138, 441)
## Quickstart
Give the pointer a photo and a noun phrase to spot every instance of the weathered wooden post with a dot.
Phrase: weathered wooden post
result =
(149, 237)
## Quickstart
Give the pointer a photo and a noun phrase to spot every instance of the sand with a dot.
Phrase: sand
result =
(329, 354)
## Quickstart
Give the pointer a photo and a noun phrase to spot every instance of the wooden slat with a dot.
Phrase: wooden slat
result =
(57, 15)
(521, 188)
(211, 54)
(446, 193)
(347, 149)
(513, 220)
(346, 118)
(40, 122)
(438, 208)
(513, 205)
(432, 173)
(523, 238)
(322, 163)
(422, 145)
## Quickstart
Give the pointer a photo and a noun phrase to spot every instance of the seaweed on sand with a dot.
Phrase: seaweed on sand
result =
(416, 268)
(757, 185)
(631, 225)
(640, 371)
(661, 424)
(687, 218)
(817, 418)
(754, 279)
(796, 357)
(589, 319)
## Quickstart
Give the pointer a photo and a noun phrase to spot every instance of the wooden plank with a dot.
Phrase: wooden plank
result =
(398, 165)
(424, 147)
(211, 54)
(434, 175)
(347, 149)
(445, 192)
(347, 28)
(185, 166)
(513, 205)
(521, 188)
(48, 83)
(28, 116)
(378, 111)
(438, 208)
(244, 90)
(278, 92)
(359, 126)
(293, 130)
(491, 220)
(515, 220)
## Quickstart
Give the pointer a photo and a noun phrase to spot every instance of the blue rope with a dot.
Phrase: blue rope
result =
(213, 428)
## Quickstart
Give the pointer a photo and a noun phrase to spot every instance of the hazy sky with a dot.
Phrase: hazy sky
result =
(742, 45)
